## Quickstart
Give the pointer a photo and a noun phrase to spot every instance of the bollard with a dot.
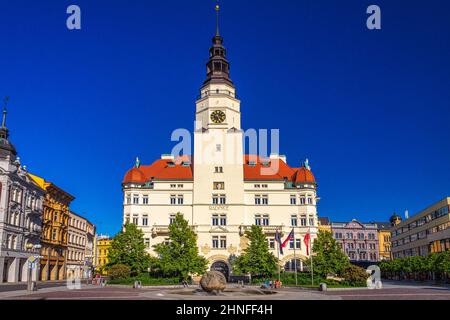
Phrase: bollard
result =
(323, 287)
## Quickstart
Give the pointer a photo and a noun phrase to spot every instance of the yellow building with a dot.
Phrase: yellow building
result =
(384, 240)
(103, 245)
(426, 232)
(324, 225)
(54, 230)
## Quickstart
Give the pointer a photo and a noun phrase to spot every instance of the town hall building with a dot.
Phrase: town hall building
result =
(220, 190)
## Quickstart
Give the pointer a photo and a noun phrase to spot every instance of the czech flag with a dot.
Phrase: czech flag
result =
(306, 242)
(278, 240)
(289, 238)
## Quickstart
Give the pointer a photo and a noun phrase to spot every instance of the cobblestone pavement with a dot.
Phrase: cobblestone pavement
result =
(390, 292)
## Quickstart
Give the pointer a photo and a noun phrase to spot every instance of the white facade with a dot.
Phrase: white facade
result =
(222, 192)
(20, 215)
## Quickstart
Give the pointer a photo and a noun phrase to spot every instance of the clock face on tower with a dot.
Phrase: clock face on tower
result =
(218, 117)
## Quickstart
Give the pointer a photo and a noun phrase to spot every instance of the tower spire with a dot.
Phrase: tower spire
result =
(5, 101)
(217, 19)
(218, 67)
(5, 144)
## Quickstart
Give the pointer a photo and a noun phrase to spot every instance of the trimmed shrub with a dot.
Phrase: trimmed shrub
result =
(119, 272)
(354, 274)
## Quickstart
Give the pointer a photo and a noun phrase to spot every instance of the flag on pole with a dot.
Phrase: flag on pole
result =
(278, 240)
(306, 242)
(289, 238)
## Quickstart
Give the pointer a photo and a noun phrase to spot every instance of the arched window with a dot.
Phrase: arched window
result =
(290, 265)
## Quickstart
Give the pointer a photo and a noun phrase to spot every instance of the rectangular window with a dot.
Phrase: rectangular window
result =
(219, 199)
(218, 169)
(215, 220)
(291, 244)
(173, 199)
(145, 220)
(311, 221)
(223, 242)
(265, 200)
(310, 200)
(135, 199)
(298, 244)
(264, 186)
(223, 220)
(272, 243)
(173, 186)
(215, 242)
(135, 220)
(265, 220)
(303, 221)
(293, 200)
(302, 200)
(128, 201)
(293, 220)
(257, 199)
(180, 186)
(180, 200)
(257, 186)
(172, 219)
(147, 242)
(258, 220)
(145, 200)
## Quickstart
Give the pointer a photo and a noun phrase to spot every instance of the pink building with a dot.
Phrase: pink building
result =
(359, 241)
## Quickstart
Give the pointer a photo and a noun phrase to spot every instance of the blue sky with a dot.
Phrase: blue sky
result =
(370, 109)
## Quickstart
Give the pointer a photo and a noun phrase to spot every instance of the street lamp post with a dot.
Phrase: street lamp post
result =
(32, 260)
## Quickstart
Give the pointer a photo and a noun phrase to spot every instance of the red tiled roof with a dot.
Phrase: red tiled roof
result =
(255, 169)
(266, 169)
(164, 169)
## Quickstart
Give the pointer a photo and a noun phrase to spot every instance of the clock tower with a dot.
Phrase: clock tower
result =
(218, 138)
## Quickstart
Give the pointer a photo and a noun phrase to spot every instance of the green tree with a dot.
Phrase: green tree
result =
(179, 257)
(441, 262)
(328, 256)
(128, 248)
(256, 258)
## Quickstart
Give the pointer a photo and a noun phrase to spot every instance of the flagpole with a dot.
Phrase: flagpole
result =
(295, 258)
(278, 241)
(311, 258)
(279, 269)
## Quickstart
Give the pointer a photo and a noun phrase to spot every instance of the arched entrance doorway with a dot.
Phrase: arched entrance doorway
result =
(222, 267)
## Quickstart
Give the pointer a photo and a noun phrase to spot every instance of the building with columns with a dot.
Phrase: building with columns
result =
(20, 214)
(220, 190)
